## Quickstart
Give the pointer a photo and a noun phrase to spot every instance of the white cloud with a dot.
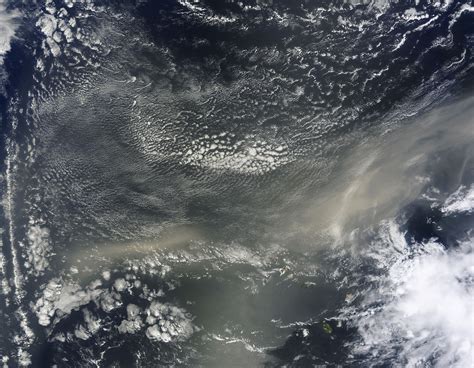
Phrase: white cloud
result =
(462, 200)
(8, 26)
(421, 311)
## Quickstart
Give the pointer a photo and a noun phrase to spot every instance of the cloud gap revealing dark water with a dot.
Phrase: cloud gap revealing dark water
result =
(236, 184)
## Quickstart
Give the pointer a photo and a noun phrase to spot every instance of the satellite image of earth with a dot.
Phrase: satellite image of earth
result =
(237, 183)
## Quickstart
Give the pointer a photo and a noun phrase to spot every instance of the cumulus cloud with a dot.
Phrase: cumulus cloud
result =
(461, 201)
(421, 311)
(8, 26)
